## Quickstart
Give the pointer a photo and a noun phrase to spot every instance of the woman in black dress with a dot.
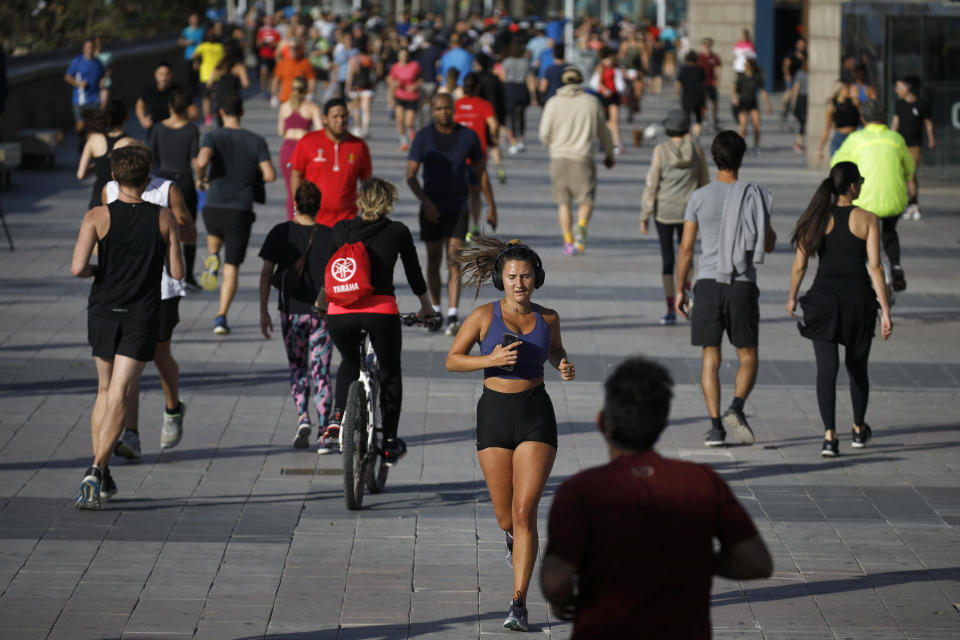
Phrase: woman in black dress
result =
(841, 306)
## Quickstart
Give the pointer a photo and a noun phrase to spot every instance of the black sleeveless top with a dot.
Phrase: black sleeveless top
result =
(845, 114)
(101, 166)
(127, 284)
(842, 254)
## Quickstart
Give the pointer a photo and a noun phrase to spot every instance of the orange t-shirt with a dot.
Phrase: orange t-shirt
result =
(286, 70)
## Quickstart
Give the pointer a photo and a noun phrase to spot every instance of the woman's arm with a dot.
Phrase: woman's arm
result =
(266, 273)
(796, 277)
(558, 355)
(827, 124)
(281, 116)
(85, 157)
(459, 358)
(875, 269)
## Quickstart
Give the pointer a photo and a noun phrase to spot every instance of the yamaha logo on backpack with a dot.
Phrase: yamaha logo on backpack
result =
(343, 269)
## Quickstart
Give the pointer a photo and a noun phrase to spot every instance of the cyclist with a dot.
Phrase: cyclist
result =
(377, 314)
(516, 425)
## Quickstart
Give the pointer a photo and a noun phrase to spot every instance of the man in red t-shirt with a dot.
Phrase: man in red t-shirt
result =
(267, 40)
(478, 115)
(630, 551)
(710, 63)
(335, 161)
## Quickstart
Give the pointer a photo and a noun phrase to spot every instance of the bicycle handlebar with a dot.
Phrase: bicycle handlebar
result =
(410, 319)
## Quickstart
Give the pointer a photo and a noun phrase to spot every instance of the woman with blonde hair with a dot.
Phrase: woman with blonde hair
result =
(385, 240)
(516, 424)
(296, 117)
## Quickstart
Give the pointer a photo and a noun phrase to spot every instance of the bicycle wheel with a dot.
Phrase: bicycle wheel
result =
(354, 428)
(376, 471)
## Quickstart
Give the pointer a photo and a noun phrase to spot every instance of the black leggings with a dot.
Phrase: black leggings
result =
(828, 363)
(666, 233)
(517, 98)
(891, 241)
(385, 334)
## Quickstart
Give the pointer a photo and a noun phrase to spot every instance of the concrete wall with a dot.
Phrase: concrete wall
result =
(722, 20)
(39, 97)
(823, 68)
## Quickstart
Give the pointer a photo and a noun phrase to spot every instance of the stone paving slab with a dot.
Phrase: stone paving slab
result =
(234, 534)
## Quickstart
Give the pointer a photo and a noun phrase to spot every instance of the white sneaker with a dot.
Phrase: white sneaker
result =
(172, 429)
(513, 150)
(912, 212)
(129, 445)
(453, 325)
(521, 145)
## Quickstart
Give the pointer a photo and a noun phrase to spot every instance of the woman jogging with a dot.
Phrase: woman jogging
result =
(295, 118)
(744, 97)
(677, 169)
(843, 116)
(516, 425)
(304, 330)
(516, 91)
(385, 240)
(406, 81)
(607, 82)
(841, 306)
(107, 134)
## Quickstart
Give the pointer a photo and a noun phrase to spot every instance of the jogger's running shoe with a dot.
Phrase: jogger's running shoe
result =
(172, 429)
(453, 325)
(669, 319)
(329, 440)
(89, 497)
(220, 326)
(899, 281)
(501, 174)
(738, 423)
(831, 448)
(569, 249)
(580, 238)
(302, 439)
(393, 450)
(509, 548)
(516, 616)
(108, 488)
(473, 234)
(862, 437)
(128, 446)
(210, 279)
(715, 437)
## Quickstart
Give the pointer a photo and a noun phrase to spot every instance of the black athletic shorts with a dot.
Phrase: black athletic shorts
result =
(717, 307)
(450, 225)
(233, 227)
(133, 338)
(711, 93)
(167, 318)
(409, 105)
(505, 420)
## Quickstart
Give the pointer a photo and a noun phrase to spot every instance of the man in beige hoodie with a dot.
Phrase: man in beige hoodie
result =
(572, 121)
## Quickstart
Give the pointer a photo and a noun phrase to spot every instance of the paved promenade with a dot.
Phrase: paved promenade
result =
(234, 534)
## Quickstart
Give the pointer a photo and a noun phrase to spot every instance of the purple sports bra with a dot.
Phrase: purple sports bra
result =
(533, 351)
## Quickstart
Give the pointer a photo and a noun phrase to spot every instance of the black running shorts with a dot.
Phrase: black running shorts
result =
(717, 307)
(450, 225)
(233, 227)
(133, 338)
(505, 420)
(167, 318)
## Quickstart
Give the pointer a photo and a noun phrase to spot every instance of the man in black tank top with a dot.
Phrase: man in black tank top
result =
(133, 240)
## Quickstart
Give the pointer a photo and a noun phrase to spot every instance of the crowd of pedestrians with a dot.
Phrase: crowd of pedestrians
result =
(459, 95)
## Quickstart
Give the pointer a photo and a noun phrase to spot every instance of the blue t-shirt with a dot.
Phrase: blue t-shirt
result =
(91, 71)
(555, 30)
(552, 75)
(536, 46)
(546, 61)
(443, 156)
(342, 59)
(456, 58)
(193, 35)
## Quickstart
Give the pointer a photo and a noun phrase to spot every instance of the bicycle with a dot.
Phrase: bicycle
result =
(361, 431)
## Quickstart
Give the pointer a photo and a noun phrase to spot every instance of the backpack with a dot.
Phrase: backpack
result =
(347, 276)
(289, 280)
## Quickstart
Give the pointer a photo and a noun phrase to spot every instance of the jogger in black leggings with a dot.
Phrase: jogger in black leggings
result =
(828, 364)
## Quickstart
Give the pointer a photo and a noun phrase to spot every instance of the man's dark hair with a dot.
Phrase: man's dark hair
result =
(484, 61)
(333, 102)
(872, 111)
(913, 82)
(232, 106)
(307, 198)
(164, 63)
(470, 84)
(636, 403)
(131, 165)
(727, 150)
(558, 51)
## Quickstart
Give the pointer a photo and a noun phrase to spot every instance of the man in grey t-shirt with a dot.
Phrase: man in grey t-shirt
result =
(726, 297)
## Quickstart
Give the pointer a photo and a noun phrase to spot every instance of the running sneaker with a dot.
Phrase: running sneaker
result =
(738, 423)
(128, 446)
(521, 145)
(393, 450)
(899, 281)
(862, 437)
(274, 101)
(108, 488)
(619, 150)
(501, 174)
(89, 497)
(210, 279)
(580, 238)
(913, 212)
(715, 437)
(513, 149)
(172, 429)
(220, 326)
(302, 439)
(329, 440)
(509, 548)
(569, 249)
(669, 319)
(831, 448)
(473, 234)
(516, 616)
(453, 325)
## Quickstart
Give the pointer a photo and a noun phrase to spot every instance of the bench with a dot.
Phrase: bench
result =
(40, 142)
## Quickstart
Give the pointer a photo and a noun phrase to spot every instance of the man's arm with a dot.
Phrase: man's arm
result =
(145, 120)
(429, 208)
(266, 168)
(201, 163)
(684, 262)
(86, 240)
(296, 179)
(746, 560)
(188, 229)
(928, 124)
(558, 583)
(171, 236)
